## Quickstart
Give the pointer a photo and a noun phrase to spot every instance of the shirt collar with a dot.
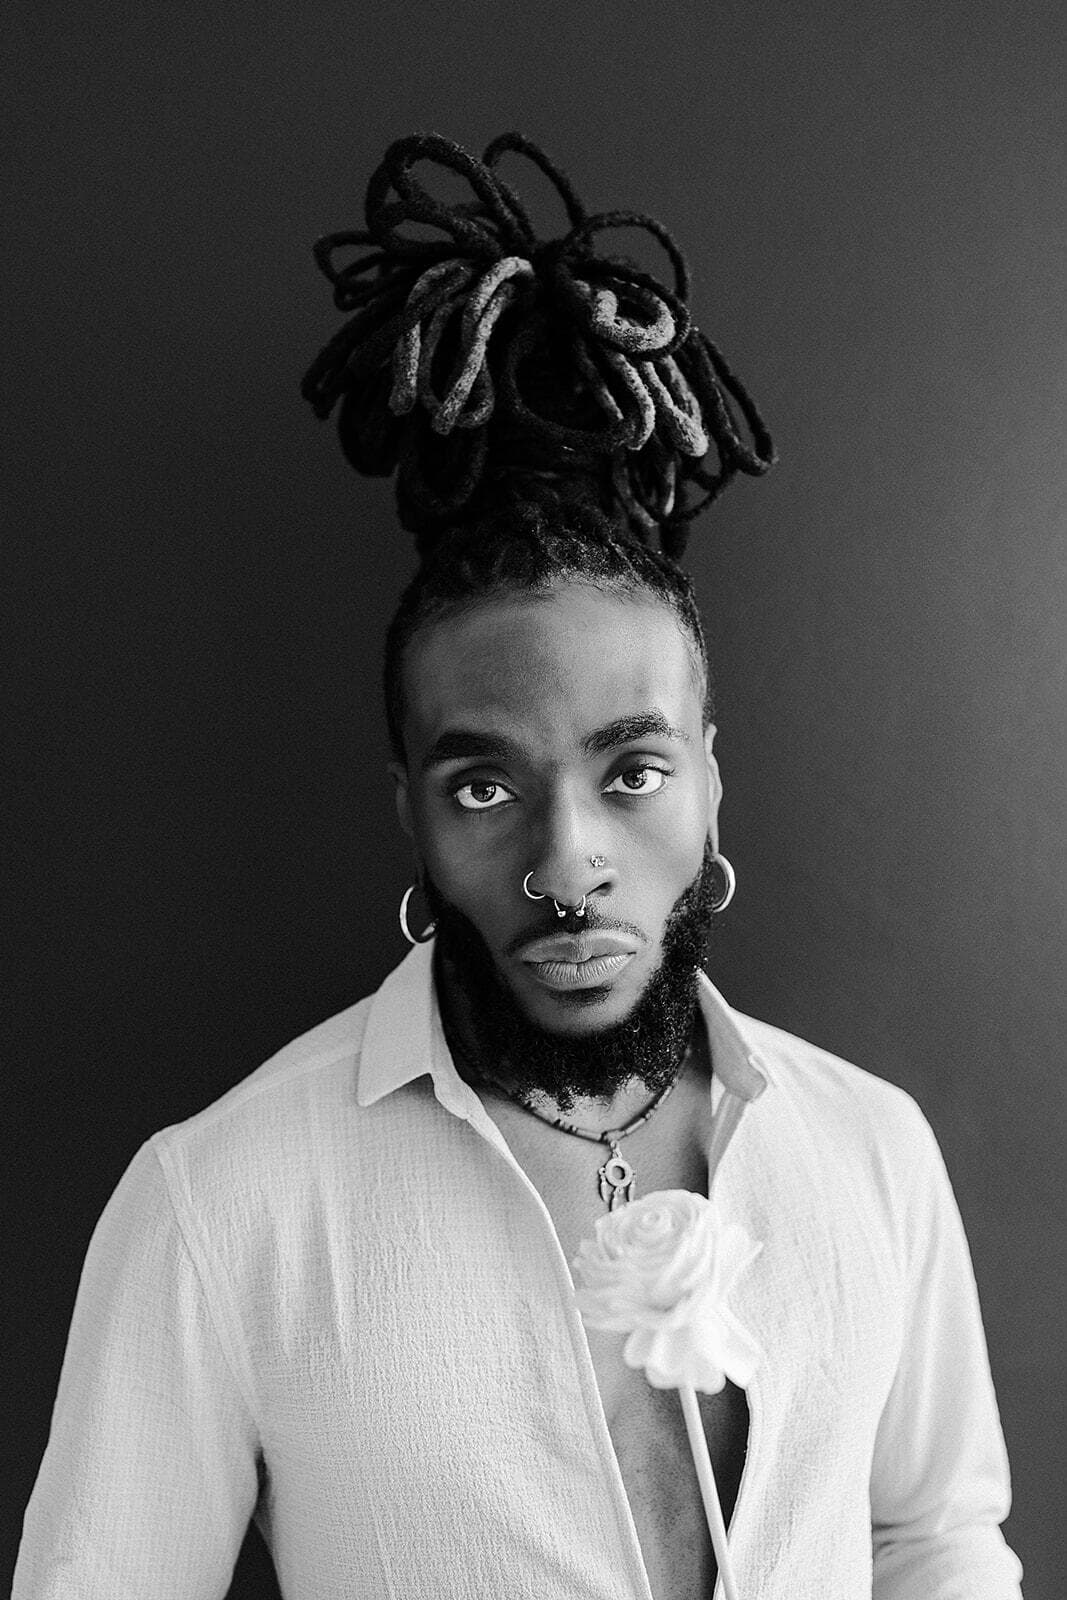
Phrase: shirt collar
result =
(404, 1040)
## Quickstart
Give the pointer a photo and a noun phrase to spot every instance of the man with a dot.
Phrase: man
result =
(339, 1299)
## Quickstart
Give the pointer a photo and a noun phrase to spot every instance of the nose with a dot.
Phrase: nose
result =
(567, 862)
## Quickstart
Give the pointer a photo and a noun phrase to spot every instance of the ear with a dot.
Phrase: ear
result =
(714, 786)
(399, 774)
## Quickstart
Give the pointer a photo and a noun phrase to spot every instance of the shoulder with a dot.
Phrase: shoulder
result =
(278, 1130)
(325, 1054)
(301, 1141)
(850, 1157)
(840, 1107)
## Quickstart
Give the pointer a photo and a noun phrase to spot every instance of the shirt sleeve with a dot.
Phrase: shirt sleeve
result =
(940, 1485)
(150, 1474)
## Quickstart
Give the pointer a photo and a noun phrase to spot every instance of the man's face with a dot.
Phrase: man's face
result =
(542, 731)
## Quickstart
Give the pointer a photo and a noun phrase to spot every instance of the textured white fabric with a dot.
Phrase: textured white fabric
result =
(334, 1300)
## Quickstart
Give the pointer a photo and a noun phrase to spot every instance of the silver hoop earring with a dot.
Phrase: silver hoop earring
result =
(730, 883)
(427, 933)
(528, 892)
(561, 911)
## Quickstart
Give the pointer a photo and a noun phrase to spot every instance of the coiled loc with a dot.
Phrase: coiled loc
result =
(461, 346)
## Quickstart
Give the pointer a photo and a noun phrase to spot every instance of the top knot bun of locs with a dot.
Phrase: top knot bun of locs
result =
(486, 365)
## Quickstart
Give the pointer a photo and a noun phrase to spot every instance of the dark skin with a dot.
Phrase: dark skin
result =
(541, 731)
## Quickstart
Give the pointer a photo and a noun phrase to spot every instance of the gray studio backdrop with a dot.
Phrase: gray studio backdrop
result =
(874, 200)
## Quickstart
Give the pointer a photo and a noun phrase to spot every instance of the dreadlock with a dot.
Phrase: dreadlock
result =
(547, 411)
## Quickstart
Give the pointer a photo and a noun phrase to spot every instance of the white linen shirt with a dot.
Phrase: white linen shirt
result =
(334, 1301)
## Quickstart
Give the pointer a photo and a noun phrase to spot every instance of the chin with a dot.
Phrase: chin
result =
(587, 1012)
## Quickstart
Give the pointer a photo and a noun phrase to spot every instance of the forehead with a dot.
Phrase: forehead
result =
(550, 667)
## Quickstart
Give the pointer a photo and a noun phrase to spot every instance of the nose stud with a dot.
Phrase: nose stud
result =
(596, 861)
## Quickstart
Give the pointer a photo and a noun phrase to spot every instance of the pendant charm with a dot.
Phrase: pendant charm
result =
(617, 1181)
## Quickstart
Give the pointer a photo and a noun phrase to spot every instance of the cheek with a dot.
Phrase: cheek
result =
(669, 828)
(672, 858)
(473, 861)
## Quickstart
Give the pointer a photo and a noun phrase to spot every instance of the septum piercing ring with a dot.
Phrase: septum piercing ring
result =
(561, 911)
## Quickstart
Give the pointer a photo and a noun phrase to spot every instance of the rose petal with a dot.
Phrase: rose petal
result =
(671, 1358)
(661, 1270)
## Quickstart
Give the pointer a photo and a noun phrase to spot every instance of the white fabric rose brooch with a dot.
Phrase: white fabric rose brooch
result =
(661, 1270)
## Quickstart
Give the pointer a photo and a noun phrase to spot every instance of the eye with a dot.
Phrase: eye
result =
(481, 796)
(638, 780)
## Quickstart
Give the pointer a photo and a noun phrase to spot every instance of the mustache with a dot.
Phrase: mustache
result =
(575, 925)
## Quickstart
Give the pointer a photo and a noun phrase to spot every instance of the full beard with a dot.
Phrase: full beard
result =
(498, 1042)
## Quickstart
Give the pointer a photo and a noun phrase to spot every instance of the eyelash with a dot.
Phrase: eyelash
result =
(642, 766)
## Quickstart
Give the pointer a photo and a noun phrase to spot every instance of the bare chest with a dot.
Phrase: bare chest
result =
(649, 1435)
(646, 1424)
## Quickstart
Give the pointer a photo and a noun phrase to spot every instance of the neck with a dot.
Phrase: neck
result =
(602, 1112)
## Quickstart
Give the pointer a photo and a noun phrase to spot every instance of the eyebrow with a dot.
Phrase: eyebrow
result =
(467, 744)
(648, 724)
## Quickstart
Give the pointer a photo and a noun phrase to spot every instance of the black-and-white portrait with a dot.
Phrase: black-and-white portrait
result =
(536, 703)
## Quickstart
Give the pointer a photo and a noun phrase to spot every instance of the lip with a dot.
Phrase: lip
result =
(576, 948)
(577, 960)
(579, 974)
